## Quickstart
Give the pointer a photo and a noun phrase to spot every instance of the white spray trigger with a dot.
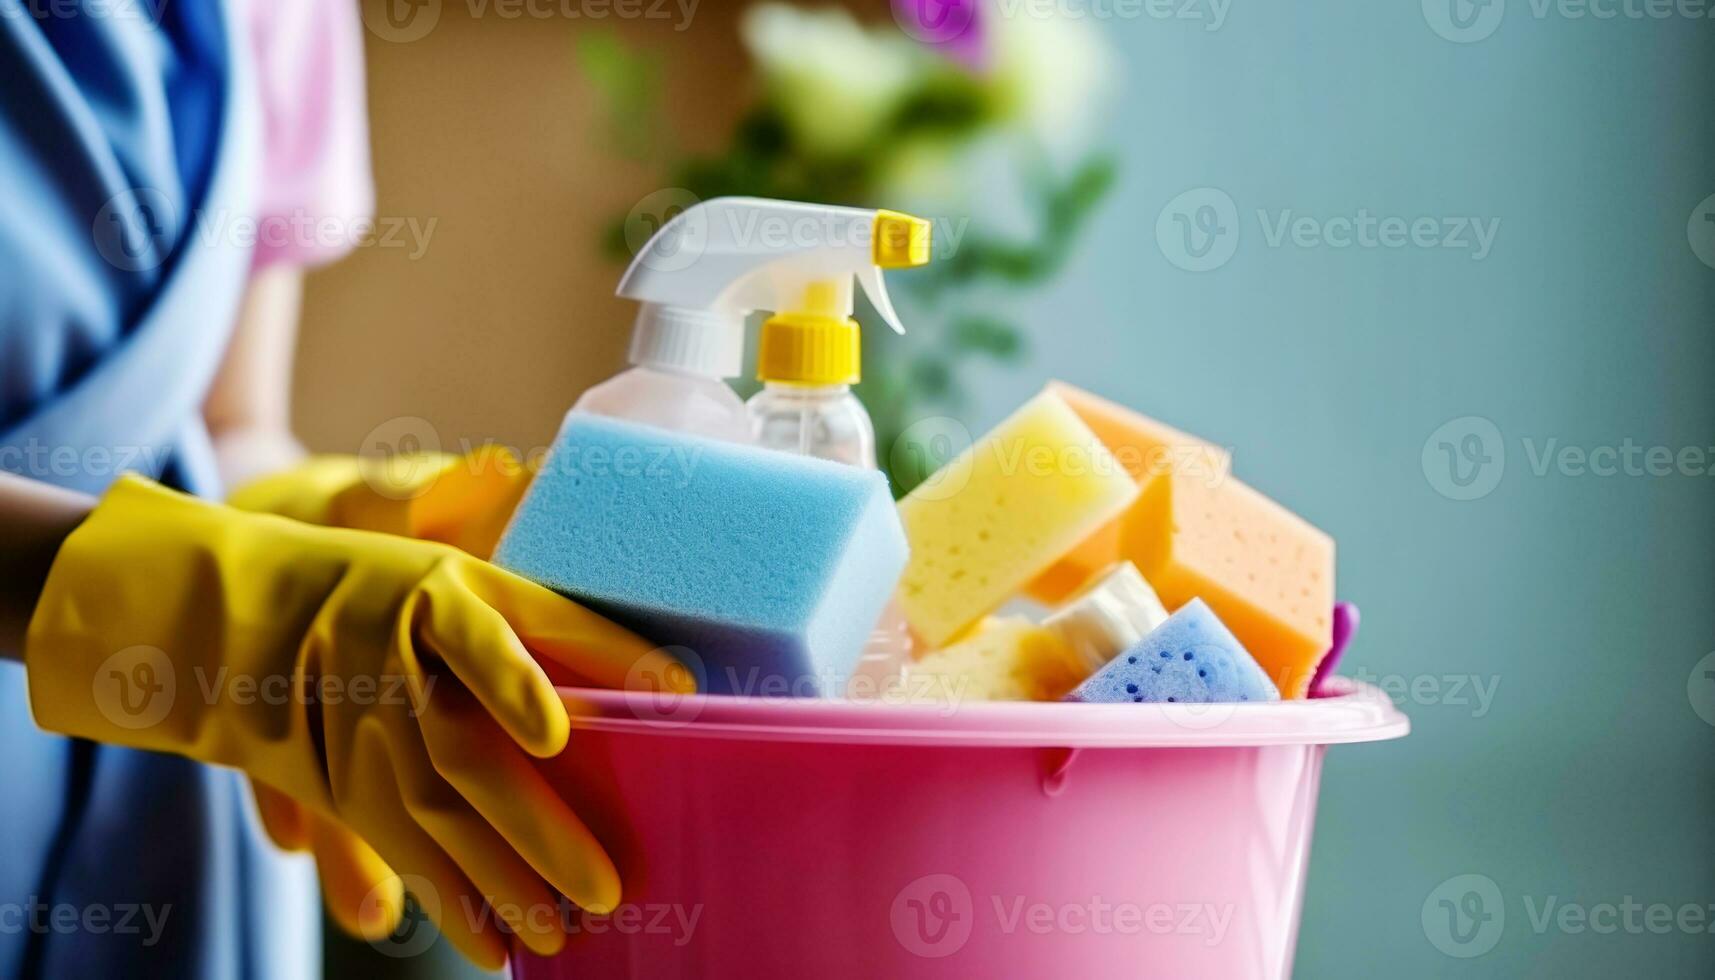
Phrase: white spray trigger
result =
(876, 289)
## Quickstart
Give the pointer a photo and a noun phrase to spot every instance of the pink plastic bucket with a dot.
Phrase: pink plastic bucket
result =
(807, 838)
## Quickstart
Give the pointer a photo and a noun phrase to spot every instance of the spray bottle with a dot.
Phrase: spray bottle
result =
(810, 355)
(714, 263)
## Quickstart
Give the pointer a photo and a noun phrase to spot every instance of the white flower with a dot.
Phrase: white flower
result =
(1052, 71)
(835, 82)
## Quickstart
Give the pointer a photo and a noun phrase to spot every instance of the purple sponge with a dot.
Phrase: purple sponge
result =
(770, 569)
(1191, 658)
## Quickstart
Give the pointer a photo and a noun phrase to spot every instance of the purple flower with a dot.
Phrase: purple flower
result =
(952, 27)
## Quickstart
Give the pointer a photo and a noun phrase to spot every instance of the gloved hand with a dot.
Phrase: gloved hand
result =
(463, 501)
(365, 897)
(384, 682)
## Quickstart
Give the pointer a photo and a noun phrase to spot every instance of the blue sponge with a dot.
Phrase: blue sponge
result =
(1192, 658)
(770, 568)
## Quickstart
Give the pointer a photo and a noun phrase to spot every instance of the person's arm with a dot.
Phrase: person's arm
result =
(248, 409)
(34, 518)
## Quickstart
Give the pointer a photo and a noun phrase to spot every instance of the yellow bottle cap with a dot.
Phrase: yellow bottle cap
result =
(809, 349)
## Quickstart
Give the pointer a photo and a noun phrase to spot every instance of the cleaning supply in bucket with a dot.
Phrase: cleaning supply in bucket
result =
(1265, 571)
(1006, 658)
(1010, 658)
(1147, 449)
(766, 569)
(809, 353)
(1115, 610)
(1192, 658)
(1001, 512)
(686, 339)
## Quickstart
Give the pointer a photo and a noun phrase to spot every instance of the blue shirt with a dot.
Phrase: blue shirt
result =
(120, 126)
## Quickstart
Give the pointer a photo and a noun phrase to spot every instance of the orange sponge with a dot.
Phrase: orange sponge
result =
(1147, 449)
(1267, 573)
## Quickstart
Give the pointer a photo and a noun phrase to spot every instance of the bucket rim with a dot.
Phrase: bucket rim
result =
(1353, 712)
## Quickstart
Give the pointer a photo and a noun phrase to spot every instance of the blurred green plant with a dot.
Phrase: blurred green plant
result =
(868, 117)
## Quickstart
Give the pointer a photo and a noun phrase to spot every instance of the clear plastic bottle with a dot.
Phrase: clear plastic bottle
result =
(670, 400)
(680, 358)
(807, 361)
(824, 421)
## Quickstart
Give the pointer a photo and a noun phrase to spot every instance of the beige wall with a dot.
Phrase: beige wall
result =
(485, 127)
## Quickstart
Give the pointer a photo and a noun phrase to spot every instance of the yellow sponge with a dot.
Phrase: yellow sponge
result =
(1001, 512)
(1265, 572)
(1148, 450)
(1007, 658)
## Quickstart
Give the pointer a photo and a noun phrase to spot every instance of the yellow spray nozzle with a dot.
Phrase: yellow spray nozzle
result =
(901, 241)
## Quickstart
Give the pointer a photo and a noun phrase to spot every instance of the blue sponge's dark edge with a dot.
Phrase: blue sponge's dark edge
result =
(725, 659)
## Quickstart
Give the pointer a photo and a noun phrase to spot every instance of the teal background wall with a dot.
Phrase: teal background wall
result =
(1581, 602)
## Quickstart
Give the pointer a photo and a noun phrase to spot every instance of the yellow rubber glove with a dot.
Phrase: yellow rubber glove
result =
(364, 896)
(464, 501)
(384, 682)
